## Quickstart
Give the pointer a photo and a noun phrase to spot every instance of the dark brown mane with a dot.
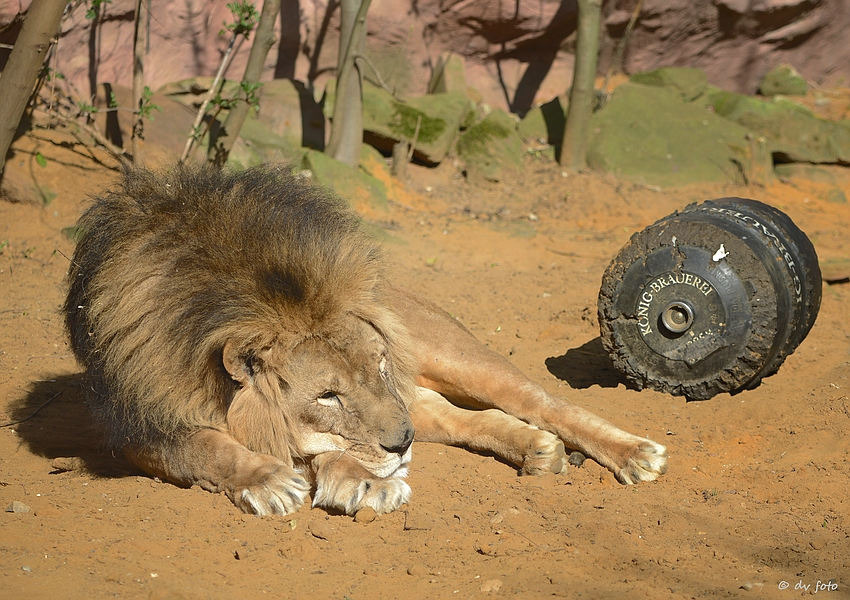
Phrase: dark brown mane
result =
(173, 265)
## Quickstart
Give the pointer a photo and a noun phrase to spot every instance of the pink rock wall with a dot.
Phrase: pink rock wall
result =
(518, 52)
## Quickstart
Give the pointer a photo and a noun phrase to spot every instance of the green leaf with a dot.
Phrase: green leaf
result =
(40, 160)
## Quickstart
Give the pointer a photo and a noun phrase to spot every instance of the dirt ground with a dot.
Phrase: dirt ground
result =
(755, 501)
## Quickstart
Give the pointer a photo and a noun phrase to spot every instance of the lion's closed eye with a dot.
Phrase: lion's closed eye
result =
(329, 399)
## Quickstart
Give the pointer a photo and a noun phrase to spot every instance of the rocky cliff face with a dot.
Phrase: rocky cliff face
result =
(518, 52)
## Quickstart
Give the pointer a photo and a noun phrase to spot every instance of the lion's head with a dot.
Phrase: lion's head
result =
(247, 302)
(335, 389)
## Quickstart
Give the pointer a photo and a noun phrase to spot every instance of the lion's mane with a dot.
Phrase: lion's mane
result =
(173, 265)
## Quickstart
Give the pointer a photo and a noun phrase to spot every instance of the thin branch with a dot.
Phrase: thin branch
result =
(94, 133)
(225, 62)
(381, 81)
(35, 412)
(415, 138)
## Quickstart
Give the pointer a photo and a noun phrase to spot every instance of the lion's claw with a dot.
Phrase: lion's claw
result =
(349, 495)
(278, 494)
(647, 463)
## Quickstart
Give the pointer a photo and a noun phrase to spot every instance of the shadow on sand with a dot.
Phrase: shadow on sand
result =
(586, 366)
(53, 422)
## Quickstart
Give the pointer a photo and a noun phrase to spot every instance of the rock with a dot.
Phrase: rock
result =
(784, 80)
(165, 132)
(577, 458)
(192, 91)
(497, 43)
(288, 119)
(17, 507)
(365, 515)
(321, 529)
(491, 147)
(363, 191)
(418, 570)
(688, 83)
(387, 120)
(648, 135)
(491, 585)
(793, 133)
(737, 6)
(288, 109)
(545, 123)
(449, 75)
(787, 171)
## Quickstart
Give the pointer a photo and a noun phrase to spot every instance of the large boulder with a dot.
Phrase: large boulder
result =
(544, 124)
(647, 134)
(432, 121)
(365, 192)
(689, 83)
(491, 148)
(792, 132)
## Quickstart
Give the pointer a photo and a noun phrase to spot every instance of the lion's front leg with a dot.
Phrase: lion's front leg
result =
(344, 484)
(533, 450)
(453, 363)
(256, 483)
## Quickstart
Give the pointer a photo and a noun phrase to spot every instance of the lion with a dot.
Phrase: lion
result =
(239, 333)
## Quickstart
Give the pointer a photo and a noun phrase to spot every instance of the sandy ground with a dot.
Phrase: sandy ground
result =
(755, 502)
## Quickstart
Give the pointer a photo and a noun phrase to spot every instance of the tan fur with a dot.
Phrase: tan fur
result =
(238, 333)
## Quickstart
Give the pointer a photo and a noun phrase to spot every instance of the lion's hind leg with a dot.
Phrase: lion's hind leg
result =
(344, 484)
(533, 450)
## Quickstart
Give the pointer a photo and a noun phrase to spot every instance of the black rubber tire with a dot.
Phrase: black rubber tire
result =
(741, 277)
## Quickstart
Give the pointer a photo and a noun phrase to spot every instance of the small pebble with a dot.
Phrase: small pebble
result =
(577, 459)
(26, 569)
(491, 585)
(321, 529)
(365, 515)
(17, 507)
(417, 570)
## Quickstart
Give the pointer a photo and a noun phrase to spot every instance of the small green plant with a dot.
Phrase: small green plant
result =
(73, 233)
(244, 19)
(93, 11)
(147, 105)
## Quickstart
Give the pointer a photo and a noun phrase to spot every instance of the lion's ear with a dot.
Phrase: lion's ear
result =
(239, 367)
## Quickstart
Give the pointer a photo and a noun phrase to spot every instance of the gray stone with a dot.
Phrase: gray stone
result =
(17, 507)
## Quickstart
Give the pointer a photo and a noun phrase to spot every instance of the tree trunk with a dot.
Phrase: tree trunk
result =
(222, 144)
(347, 121)
(574, 144)
(21, 72)
(139, 79)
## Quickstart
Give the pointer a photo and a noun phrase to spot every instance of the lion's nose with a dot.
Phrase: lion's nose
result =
(401, 443)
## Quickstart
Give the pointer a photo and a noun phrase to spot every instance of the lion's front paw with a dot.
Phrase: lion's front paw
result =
(278, 491)
(351, 494)
(546, 455)
(646, 462)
